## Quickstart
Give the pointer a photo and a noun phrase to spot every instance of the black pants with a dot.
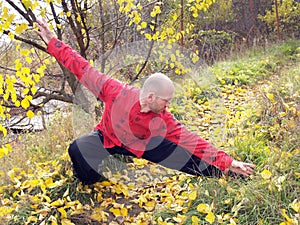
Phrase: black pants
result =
(87, 153)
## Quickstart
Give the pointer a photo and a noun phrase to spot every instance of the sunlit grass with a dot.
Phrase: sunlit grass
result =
(48, 144)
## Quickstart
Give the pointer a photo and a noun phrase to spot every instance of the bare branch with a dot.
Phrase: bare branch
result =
(82, 13)
(34, 44)
(59, 34)
(75, 29)
(7, 69)
(149, 53)
(54, 96)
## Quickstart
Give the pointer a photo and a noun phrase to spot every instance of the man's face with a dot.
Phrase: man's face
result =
(161, 102)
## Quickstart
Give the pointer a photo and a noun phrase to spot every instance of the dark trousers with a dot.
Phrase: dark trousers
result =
(87, 153)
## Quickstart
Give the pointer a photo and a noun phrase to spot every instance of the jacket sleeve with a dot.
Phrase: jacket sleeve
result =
(98, 83)
(199, 147)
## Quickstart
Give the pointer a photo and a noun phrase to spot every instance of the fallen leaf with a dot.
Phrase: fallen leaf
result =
(210, 217)
(266, 174)
(193, 195)
(203, 208)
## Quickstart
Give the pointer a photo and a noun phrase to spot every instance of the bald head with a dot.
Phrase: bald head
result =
(159, 84)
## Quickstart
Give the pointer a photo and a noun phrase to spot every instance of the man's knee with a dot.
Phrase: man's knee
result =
(73, 150)
(82, 170)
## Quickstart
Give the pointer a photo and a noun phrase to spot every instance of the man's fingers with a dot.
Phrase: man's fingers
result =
(41, 23)
(245, 169)
(250, 165)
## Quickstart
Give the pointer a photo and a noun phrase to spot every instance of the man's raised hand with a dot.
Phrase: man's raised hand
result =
(44, 31)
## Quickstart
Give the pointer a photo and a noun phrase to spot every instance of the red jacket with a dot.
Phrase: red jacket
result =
(122, 123)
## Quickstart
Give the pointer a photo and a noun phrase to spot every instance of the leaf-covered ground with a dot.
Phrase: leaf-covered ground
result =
(252, 112)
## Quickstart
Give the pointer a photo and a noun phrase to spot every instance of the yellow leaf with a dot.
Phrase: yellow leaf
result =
(49, 182)
(25, 52)
(195, 58)
(28, 60)
(9, 147)
(295, 205)
(149, 206)
(106, 183)
(99, 215)
(66, 222)
(30, 219)
(283, 212)
(4, 130)
(227, 201)
(266, 174)
(124, 212)
(43, 12)
(4, 210)
(143, 24)
(25, 91)
(25, 103)
(140, 162)
(11, 35)
(193, 195)
(195, 220)
(232, 222)
(6, 96)
(157, 9)
(15, 193)
(33, 90)
(33, 183)
(58, 202)
(203, 208)
(62, 212)
(210, 217)
(92, 62)
(142, 199)
(137, 18)
(152, 14)
(37, 77)
(173, 58)
(14, 97)
(179, 219)
(30, 114)
(20, 28)
(116, 212)
(25, 70)
(68, 14)
(2, 152)
(148, 36)
(270, 96)
(27, 3)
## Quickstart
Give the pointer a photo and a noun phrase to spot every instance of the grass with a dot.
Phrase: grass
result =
(265, 130)
(257, 119)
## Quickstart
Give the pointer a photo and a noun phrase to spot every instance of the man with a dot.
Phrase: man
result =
(136, 123)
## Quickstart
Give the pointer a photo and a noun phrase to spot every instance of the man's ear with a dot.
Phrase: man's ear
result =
(150, 97)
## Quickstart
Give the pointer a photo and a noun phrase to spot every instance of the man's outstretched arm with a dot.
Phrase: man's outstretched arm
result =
(98, 83)
(201, 148)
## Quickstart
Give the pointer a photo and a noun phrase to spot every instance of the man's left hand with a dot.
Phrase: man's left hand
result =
(243, 168)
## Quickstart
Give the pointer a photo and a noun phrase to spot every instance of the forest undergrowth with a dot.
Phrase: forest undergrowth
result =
(252, 112)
